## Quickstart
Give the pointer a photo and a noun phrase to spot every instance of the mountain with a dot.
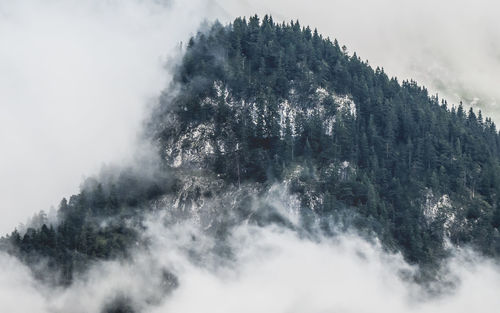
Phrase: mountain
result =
(264, 117)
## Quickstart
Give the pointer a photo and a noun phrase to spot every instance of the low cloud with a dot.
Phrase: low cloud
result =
(269, 269)
(76, 79)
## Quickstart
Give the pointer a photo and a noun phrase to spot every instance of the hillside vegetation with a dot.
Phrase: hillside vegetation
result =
(254, 104)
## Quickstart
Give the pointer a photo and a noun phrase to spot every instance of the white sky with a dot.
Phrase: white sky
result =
(76, 76)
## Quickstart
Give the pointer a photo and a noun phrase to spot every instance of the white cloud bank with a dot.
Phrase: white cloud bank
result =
(271, 270)
(75, 79)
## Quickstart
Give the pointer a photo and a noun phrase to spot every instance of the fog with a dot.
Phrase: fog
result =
(76, 81)
(269, 269)
(76, 78)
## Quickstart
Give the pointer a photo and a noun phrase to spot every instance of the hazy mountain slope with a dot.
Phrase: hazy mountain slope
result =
(260, 102)
(263, 118)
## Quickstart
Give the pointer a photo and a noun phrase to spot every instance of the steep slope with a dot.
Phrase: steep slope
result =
(265, 117)
(261, 102)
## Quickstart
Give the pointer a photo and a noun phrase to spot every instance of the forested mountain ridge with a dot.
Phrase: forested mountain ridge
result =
(258, 108)
(271, 98)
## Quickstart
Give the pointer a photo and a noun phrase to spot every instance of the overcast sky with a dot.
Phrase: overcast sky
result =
(76, 76)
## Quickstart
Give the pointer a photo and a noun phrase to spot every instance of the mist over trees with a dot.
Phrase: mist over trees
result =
(284, 104)
(400, 143)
